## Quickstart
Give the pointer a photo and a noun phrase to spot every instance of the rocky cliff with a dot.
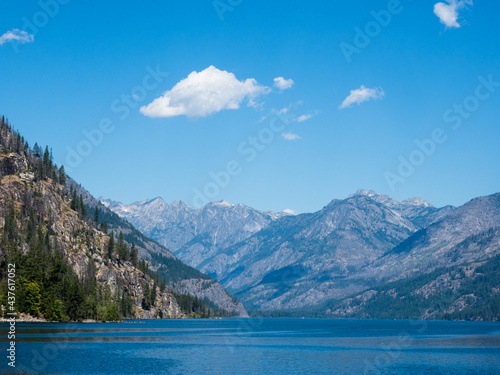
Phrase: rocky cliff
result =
(44, 219)
(81, 244)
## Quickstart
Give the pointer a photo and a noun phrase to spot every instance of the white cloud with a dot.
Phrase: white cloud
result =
(284, 110)
(448, 13)
(303, 118)
(204, 93)
(290, 136)
(283, 84)
(361, 95)
(17, 35)
(290, 212)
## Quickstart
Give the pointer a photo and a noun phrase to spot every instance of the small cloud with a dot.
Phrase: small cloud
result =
(16, 35)
(361, 95)
(290, 136)
(262, 119)
(303, 118)
(283, 84)
(290, 212)
(285, 110)
(448, 13)
(204, 93)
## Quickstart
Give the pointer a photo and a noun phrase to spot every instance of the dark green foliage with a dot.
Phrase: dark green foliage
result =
(134, 256)
(77, 204)
(62, 176)
(192, 306)
(153, 294)
(146, 301)
(45, 283)
(122, 248)
(111, 245)
(104, 227)
(173, 270)
(126, 305)
(32, 298)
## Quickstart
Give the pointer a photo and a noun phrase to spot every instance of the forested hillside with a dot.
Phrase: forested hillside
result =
(68, 264)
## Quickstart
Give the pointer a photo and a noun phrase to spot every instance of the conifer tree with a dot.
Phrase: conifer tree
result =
(62, 176)
(121, 247)
(111, 245)
(153, 294)
(146, 300)
(134, 254)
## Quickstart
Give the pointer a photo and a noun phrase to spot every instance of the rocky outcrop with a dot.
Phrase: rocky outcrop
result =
(79, 242)
(11, 164)
(212, 291)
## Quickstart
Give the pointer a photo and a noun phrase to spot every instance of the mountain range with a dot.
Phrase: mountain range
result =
(279, 261)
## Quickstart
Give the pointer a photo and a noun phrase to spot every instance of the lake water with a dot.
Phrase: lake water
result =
(256, 346)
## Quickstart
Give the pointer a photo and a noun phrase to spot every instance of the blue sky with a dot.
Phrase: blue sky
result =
(426, 76)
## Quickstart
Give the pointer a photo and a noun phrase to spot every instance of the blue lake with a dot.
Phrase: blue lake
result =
(256, 346)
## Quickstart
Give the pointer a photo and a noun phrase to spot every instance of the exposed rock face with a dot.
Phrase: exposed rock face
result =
(345, 248)
(470, 233)
(326, 247)
(469, 291)
(200, 288)
(420, 212)
(195, 236)
(12, 164)
(78, 241)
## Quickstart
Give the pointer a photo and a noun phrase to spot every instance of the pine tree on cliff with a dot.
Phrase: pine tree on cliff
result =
(62, 176)
(153, 294)
(134, 256)
(96, 216)
(146, 301)
(121, 247)
(111, 245)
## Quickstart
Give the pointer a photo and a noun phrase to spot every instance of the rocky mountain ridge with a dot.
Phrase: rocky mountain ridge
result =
(348, 247)
(194, 235)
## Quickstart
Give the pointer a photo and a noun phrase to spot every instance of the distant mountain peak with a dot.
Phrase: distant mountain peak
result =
(180, 204)
(223, 203)
(156, 200)
(417, 201)
(368, 193)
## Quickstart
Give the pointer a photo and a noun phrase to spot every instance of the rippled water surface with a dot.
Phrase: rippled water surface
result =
(256, 346)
